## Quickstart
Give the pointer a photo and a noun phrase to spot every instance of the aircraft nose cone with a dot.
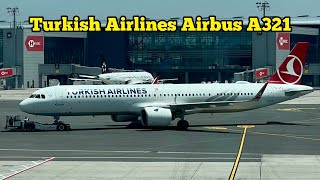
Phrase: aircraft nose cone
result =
(24, 106)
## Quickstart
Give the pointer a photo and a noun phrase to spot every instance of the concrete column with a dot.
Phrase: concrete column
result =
(186, 77)
(16, 82)
(219, 76)
(40, 81)
(316, 80)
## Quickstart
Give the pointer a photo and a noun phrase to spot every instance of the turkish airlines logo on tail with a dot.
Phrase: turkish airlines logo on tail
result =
(293, 70)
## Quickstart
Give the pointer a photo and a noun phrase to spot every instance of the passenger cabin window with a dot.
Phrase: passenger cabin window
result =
(43, 96)
(38, 96)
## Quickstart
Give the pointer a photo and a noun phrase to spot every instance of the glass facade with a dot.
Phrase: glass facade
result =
(313, 51)
(1, 47)
(64, 50)
(190, 50)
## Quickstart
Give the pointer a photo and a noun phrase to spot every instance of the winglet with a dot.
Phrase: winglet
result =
(156, 80)
(259, 94)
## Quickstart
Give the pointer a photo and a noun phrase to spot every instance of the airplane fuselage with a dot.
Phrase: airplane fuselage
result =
(126, 77)
(78, 100)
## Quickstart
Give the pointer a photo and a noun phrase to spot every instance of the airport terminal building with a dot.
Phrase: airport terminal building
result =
(192, 57)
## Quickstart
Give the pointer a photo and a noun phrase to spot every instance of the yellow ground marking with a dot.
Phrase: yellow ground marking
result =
(294, 109)
(306, 120)
(216, 128)
(236, 163)
(287, 135)
(245, 126)
(305, 137)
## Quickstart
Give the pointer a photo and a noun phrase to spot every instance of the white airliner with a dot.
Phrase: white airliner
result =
(159, 104)
(127, 77)
(134, 77)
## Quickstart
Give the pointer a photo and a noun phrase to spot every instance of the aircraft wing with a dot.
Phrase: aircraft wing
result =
(295, 92)
(164, 80)
(87, 76)
(188, 106)
(79, 79)
(139, 82)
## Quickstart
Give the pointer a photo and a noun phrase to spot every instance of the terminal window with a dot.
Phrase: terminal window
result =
(64, 50)
(190, 50)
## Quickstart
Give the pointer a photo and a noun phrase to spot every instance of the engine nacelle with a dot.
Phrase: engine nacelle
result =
(156, 116)
(124, 118)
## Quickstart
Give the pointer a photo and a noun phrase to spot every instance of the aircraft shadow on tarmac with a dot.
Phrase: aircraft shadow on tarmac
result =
(138, 127)
(256, 124)
(141, 128)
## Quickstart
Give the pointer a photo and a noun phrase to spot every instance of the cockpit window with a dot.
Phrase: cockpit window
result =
(32, 96)
(38, 96)
(43, 96)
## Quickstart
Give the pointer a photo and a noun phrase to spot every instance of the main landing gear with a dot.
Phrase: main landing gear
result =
(182, 124)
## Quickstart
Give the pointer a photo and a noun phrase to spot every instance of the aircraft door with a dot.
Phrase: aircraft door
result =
(158, 95)
(59, 104)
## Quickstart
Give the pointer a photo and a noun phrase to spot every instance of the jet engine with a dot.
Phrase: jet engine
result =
(156, 116)
(124, 118)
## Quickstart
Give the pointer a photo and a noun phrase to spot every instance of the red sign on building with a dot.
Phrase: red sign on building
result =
(261, 73)
(6, 73)
(283, 41)
(34, 43)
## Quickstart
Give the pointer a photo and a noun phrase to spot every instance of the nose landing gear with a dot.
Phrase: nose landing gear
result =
(56, 119)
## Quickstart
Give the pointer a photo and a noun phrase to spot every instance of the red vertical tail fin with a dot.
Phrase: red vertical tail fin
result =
(291, 70)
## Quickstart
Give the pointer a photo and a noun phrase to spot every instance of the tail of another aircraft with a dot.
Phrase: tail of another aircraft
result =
(156, 80)
(291, 70)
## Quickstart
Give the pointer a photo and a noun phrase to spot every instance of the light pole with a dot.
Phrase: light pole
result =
(263, 6)
(14, 12)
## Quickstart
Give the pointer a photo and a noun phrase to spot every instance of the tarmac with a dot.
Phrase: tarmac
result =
(277, 142)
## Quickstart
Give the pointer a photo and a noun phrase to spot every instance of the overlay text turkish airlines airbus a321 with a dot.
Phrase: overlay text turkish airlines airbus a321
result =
(159, 104)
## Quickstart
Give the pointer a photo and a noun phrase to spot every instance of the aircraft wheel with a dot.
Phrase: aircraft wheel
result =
(182, 125)
(29, 127)
(61, 127)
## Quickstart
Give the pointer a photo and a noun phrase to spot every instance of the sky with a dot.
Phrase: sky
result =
(160, 9)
